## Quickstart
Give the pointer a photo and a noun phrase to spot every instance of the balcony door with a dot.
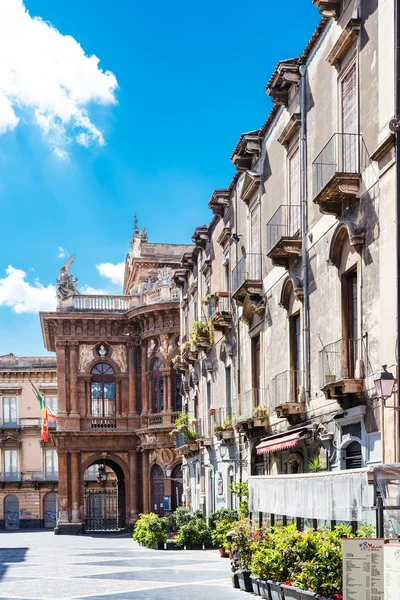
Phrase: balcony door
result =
(350, 350)
(254, 265)
(256, 371)
(349, 121)
(10, 412)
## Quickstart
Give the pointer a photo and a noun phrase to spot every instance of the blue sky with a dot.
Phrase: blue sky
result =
(191, 77)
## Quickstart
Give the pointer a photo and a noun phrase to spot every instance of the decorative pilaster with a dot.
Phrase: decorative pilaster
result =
(146, 481)
(132, 380)
(145, 388)
(73, 374)
(134, 487)
(75, 473)
(170, 377)
(61, 386)
(62, 487)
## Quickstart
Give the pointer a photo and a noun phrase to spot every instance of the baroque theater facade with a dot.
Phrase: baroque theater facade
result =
(118, 395)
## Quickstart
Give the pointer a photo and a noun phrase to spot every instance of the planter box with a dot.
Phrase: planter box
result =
(228, 434)
(158, 546)
(235, 580)
(263, 588)
(291, 593)
(254, 583)
(275, 590)
(245, 581)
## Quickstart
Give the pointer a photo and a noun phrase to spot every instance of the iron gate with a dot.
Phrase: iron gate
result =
(102, 511)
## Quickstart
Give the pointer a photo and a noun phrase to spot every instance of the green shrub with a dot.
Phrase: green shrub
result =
(218, 535)
(182, 516)
(194, 532)
(150, 529)
(222, 514)
(242, 542)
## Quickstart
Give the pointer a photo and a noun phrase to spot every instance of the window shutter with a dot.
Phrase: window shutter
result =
(349, 122)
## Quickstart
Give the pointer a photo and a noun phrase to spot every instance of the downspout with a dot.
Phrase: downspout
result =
(304, 258)
(397, 167)
(238, 382)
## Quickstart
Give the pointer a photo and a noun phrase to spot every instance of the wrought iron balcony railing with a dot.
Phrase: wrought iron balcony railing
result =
(285, 388)
(43, 475)
(337, 169)
(11, 476)
(340, 361)
(244, 404)
(247, 275)
(284, 224)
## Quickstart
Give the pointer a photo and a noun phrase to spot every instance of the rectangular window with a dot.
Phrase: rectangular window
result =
(52, 403)
(294, 193)
(350, 350)
(254, 265)
(51, 461)
(11, 463)
(349, 122)
(295, 356)
(228, 388)
(256, 370)
(10, 411)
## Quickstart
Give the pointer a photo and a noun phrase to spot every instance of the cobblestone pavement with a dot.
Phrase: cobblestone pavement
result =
(39, 566)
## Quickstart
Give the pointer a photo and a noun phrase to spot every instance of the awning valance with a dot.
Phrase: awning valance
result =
(279, 442)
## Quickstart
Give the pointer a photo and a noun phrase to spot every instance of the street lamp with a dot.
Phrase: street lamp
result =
(384, 384)
(102, 475)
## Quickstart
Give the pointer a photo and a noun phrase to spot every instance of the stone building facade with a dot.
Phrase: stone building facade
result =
(118, 395)
(28, 466)
(294, 279)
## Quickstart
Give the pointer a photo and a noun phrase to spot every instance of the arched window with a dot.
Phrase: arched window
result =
(158, 387)
(103, 391)
(353, 456)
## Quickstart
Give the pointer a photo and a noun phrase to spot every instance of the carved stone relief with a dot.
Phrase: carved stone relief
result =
(86, 356)
(118, 355)
(164, 456)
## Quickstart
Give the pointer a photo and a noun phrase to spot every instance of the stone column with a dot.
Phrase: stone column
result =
(170, 379)
(145, 393)
(61, 387)
(62, 487)
(146, 481)
(73, 375)
(132, 380)
(75, 482)
(134, 485)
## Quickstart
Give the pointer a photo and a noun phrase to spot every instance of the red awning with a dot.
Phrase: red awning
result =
(279, 442)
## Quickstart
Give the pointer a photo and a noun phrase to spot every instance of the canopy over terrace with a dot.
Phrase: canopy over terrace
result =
(331, 496)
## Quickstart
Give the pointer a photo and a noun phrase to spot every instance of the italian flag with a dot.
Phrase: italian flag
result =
(46, 414)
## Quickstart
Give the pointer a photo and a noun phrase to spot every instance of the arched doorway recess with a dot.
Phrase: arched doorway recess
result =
(104, 496)
(157, 490)
(176, 487)
(11, 512)
(50, 510)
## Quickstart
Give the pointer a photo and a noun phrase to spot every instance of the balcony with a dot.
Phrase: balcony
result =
(219, 310)
(341, 370)
(43, 476)
(103, 424)
(11, 476)
(185, 447)
(246, 409)
(221, 421)
(287, 395)
(157, 420)
(283, 235)
(247, 278)
(105, 303)
(25, 423)
(337, 172)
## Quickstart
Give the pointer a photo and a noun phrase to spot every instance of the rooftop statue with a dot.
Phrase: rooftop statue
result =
(66, 282)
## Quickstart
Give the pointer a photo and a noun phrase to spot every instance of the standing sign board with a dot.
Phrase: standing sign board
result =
(392, 571)
(363, 569)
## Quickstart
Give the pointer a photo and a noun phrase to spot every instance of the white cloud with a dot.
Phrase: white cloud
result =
(91, 291)
(62, 252)
(113, 272)
(46, 76)
(22, 296)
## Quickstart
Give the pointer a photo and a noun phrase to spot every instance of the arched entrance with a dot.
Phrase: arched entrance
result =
(176, 487)
(157, 490)
(11, 512)
(104, 496)
(50, 510)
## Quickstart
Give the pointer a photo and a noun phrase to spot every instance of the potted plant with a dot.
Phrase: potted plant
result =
(202, 333)
(241, 544)
(151, 531)
(218, 536)
(329, 377)
(211, 411)
(260, 414)
(193, 534)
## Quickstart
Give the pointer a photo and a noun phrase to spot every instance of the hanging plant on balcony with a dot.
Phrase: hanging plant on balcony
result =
(184, 425)
(260, 413)
(202, 331)
(185, 346)
(176, 359)
(209, 297)
(227, 424)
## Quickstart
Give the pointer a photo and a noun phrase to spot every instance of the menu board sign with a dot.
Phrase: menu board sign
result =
(392, 571)
(363, 564)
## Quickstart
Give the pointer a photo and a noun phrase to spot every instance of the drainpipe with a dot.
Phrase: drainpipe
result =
(397, 150)
(304, 258)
